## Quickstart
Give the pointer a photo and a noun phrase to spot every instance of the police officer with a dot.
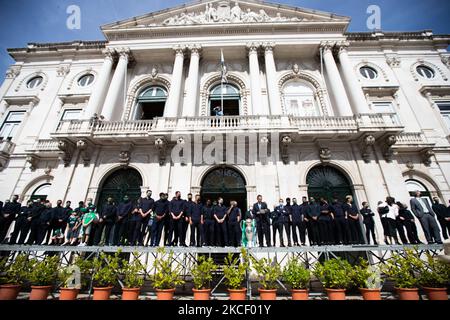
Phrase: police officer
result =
(33, 218)
(167, 221)
(220, 215)
(280, 219)
(196, 222)
(22, 224)
(368, 221)
(186, 218)
(124, 210)
(342, 231)
(146, 210)
(161, 211)
(107, 218)
(442, 214)
(234, 228)
(45, 224)
(352, 213)
(262, 214)
(296, 218)
(313, 213)
(8, 213)
(208, 224)
(325, 223)
(58, 218)
(176, 209)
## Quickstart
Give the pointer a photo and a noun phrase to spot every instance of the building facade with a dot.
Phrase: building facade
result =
(343, 113)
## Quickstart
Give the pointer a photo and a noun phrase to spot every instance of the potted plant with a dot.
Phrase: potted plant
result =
(368, 280)
(235, 271)
(434, 278)
(202, 276)
(166, 277)
(336, 276)
(12, 276)
(106, 270)
(43, 275)
(297, 277)
(132, 278)
(269, 272)
(404, 271)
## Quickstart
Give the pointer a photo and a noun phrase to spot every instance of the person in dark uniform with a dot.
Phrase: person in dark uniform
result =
(261, 213)
(400, 226)
(234, 224)
(274, 218)
(196, 222)
(220, 215)
(33, 218)
(325, 223)
(408, 220)
(352, 213)
(176, 209)
(45, 224)
(342, 231)
(289, 211)
(22, 224)
(296, 218)
(161, 210)
(369, 222)
(282, 215)
(186, 218)
(304, 225)
(58, 221)
(124, 210)
(146, 210)
(312, 215)
(208, 224)
(442, 217)
(8, 213)
(167, 220)
(107, 218)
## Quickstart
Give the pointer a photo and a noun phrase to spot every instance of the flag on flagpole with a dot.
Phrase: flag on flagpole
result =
(223, 67)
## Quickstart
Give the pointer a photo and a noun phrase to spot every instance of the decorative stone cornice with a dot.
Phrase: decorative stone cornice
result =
(63, 70)
(393, 61)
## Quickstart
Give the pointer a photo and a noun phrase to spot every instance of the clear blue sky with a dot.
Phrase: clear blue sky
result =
(23, 21)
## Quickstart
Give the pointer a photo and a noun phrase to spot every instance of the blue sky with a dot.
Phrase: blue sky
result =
(23, 21)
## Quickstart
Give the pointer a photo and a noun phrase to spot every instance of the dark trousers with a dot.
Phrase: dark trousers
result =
(22, 226)
(185, 226)
(196, 233)
(235, 234)
(104, 226)
(342, 235)
(176, 230)
(276, 227)
(134, 228)
(355, 231)
(43, 233)
(430, 228)
(166, 230)
(222, 234)
(208, 232)
(287, 229)
(301, 227)
(445, 227)
(120, 232)
(5, 223)
(313, 232)
(411, 231)
(157, 228)
(399, 225)
(34, 232)
(263, 230)
(142, 230)
(326, 232)
(370, 230)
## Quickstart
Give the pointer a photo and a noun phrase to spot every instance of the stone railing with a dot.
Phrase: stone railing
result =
(323, 123)
(411, 138)
(46, 145)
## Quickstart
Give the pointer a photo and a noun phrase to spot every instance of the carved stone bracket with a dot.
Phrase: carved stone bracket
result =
(86, 149)
(33, 161)
(426, 157)
(286, 141)
(325, 154)
(68, 148)
(161, 146)
(386, 147)
(264, 142)
(125, 154)
(366, 147)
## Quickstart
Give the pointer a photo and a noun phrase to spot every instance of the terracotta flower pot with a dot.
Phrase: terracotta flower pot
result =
(335, 294)
(408, 293)
(102, 293)
(268, 294)
(300, 294)
(202, 294)
(40, 292)
(237, 294)
(68, 293)
(436, 293)
(9, 291)
(370, 294)
(130, 293)
(165, 294)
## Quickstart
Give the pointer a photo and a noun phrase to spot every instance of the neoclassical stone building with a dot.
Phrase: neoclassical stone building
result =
(366, 114)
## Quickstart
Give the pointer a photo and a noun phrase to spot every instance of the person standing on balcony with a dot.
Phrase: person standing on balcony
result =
(196, 222)
(22, 224)
(261, 213)
(34, 219)
(409, 222)
(368, 221)
(176, 209)
(387, 215)
(325, 223)
(107, 218)
(342, 234)
(208, 224)
(313, 214)
(296, 218)
(220, 215)
(234, 224)
(352, 213)
(124, 210)
(8, 213)
(442, 216)
(145, 210)
(426, 216)
(161, 210)
(186, 218)
(304, 227)
(45, 224)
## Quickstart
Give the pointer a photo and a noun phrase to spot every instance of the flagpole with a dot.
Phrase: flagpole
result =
(221, 81)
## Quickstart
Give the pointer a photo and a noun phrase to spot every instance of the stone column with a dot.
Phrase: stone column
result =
(173, 100)
(101, 86)
(271, 74)
(334, 79)
(356, 94)
(257, 105)
(117, 84)
(192, 83)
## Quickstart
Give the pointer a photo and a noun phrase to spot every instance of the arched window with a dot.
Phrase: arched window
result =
(425, 72)
(299, 99)
(34, 82)
(328, 183)
(414, 185)
(226, 95)
(41, 192)
(151, 103)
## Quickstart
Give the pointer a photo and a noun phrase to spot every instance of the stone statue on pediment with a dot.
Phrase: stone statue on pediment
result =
(235, 13)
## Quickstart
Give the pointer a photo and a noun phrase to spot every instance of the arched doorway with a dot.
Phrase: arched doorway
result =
(41, 192)
(329, 183)
(227, 183)
(120, 183)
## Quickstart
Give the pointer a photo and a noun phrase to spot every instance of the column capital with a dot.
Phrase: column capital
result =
(124, 53)
(253, 47)
(179, 50)
(268, 47)
(13, 72)
(109, 54)
(342, 46)
(195, 49)
(327, 45)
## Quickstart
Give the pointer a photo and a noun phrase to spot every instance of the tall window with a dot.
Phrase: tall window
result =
(444, 108)
(71, 114)
(226, 95)
(151, 103)
(299, 99)
(11, 124)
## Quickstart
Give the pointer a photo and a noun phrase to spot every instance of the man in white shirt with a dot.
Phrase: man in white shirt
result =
(426, 216)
